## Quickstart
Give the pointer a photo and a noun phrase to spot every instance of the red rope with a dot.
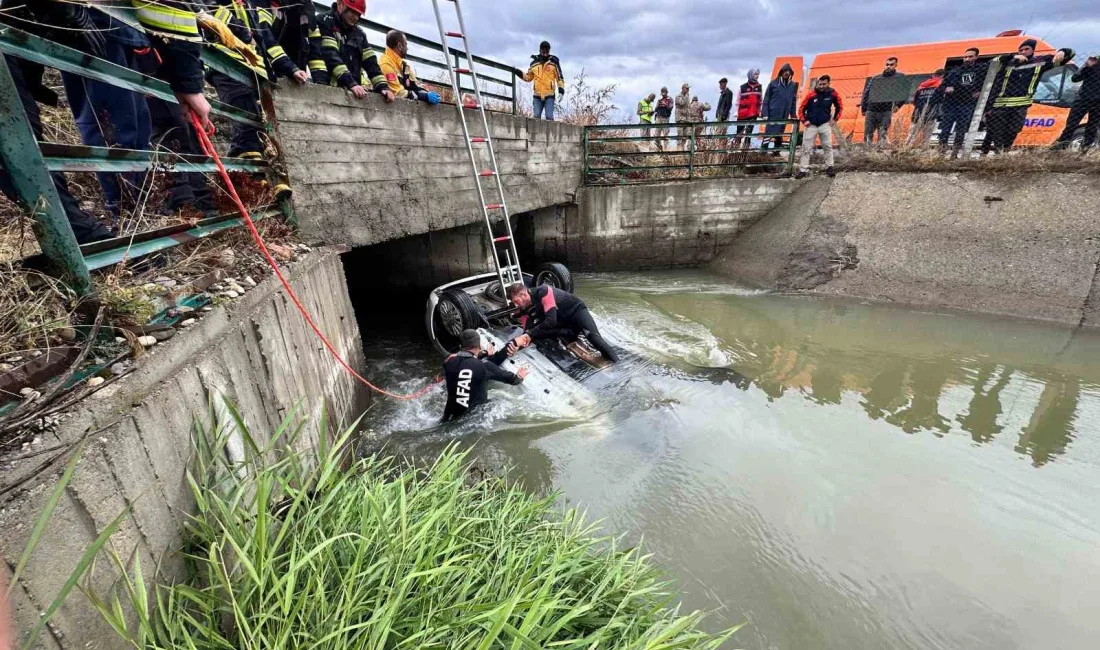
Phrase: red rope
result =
(204, 140)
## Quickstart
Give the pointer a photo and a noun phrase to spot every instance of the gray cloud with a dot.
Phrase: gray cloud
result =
(640, 45)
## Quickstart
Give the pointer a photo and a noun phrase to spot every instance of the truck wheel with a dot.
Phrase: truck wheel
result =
(555, 275)
(455, 312)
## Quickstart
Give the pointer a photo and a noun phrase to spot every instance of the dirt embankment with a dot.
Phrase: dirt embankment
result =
(1025, 245)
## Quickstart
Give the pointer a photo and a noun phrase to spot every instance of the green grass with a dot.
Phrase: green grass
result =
(329, 554)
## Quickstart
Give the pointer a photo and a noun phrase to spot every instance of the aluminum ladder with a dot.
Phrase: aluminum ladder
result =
(501, 242)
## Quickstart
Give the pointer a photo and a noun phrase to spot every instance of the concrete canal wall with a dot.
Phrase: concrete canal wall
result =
(1026, 245)
(663, 225)
(258, 352)
(366, 172)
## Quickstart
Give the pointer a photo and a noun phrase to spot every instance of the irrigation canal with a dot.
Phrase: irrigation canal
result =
(838, 475)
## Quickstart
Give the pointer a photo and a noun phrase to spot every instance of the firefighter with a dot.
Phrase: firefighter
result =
(468, 373)
(251, 24)
(348, 57)
(295, 29)
(545, 72)
(555, 313)
(749, 103)
(400, 76)
(1013, 91)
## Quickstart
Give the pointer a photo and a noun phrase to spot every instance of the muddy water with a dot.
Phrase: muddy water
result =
(836, 475)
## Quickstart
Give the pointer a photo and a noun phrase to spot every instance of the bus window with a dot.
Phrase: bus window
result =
(1049, 90)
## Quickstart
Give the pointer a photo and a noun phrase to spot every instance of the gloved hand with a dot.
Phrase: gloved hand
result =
(433, 98)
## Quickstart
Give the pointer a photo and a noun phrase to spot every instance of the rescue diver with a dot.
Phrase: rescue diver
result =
(469, 370)
(555, 313)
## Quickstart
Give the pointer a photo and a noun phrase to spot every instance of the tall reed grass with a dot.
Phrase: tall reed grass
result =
(331, 554)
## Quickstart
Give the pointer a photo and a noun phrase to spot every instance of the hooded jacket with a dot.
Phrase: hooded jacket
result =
(546, 74)
(780, 100)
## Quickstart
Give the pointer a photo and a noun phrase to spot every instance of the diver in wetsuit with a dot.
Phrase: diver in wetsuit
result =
(556, 313)
(468, 372)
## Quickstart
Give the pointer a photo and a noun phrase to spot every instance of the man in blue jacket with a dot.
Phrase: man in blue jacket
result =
(819, 111)
(780, 102)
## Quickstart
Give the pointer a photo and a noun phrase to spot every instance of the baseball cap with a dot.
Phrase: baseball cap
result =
(469, 339)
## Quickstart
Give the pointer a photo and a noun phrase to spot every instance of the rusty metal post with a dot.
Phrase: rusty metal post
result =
(22, 161)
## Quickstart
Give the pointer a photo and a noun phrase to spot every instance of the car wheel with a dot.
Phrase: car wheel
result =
(455, 312)
(555, 275)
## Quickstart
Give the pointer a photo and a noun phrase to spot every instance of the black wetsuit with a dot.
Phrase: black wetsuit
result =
(467, 377)
(558, 313)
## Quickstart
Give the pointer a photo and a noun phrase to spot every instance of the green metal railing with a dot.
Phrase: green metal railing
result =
(30, 162)
(690, 150)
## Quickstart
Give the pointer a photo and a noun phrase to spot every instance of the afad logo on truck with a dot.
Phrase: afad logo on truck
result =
(852, 70)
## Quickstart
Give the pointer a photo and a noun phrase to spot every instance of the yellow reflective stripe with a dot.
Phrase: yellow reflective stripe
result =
(176, 23)
(265, 17)
(236, 56)
(368, 54)
(222, 13)
(340, 70)
(317, 65)
(1012, 102)
(1034, 81)
(276, 51)
(380, 79)
(315, 33)
(330, 42)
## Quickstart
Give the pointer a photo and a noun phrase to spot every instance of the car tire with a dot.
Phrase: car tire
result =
(455, 312)
(556, 275)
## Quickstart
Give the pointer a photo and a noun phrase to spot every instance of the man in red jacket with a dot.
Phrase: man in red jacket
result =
(749, 102)
(819, 111)
(926, 108)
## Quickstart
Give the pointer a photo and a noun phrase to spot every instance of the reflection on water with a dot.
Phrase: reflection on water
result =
(838, 475)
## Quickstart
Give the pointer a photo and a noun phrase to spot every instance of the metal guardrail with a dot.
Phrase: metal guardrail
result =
(694, 153)
(30, 162)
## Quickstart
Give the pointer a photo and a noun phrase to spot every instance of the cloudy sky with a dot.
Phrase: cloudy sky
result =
(641, 45)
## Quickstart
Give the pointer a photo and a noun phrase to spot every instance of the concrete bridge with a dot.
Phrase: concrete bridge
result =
(367, 173)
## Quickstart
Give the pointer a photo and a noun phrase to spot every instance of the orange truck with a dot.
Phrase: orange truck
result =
(852, 70)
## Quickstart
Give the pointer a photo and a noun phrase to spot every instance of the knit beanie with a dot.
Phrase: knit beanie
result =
(1029, 43)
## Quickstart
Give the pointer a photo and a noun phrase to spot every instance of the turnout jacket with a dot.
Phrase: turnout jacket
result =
(295, 29)
(173, 33)
(1015, 84)
(348, 57)
(817, 107)
(467, 378)
(251, 23)
(551, 310)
